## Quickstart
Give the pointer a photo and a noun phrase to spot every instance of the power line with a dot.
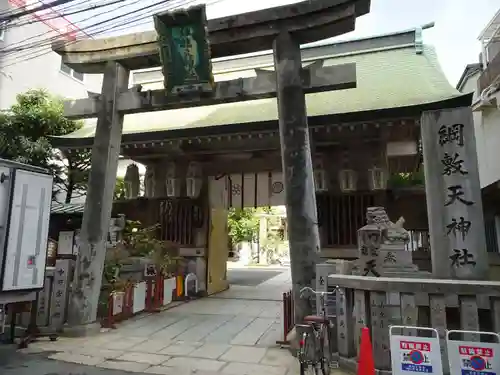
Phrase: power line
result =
(49, 40)
(62, 15)
(38, 15)
(22, 13)
(32, 55)
(113, 27)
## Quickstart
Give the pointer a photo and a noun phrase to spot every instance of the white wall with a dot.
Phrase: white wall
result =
(487, 132)
(488, 142)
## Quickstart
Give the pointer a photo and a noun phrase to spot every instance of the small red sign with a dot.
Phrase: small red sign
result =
(475, 351)
(412, 345)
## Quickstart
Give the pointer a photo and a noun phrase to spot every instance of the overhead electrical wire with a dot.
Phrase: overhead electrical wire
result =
(40, 43)
(15, 10)
(62, 15)
(18, 14)
(127, 23)
(40, 16)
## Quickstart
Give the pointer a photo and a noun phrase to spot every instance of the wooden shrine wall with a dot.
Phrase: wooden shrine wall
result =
(262, 189)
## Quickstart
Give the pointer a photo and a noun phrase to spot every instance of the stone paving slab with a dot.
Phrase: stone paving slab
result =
(124, 366)
(179, 349)
(211, 365)
(244, 354)
(152, 346)
(210, 351)
(233, 333)
(150, 359)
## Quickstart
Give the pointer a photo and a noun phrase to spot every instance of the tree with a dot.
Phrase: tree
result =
(24, 137)
(243, 224)
(119, 192)
(74, 173)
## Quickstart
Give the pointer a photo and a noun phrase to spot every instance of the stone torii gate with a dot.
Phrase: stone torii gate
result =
(283, 29)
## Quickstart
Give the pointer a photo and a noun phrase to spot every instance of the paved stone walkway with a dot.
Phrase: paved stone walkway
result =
(233, 333)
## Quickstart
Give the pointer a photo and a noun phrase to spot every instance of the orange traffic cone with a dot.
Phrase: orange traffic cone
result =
(366, 364)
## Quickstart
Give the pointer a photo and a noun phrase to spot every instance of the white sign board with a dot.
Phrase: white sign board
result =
(414, 354)
(27, 232)
(139, 303)
(473, 357)
(65, 243)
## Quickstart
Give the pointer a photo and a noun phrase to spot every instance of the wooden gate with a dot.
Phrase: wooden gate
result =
(341, 215)
(217, 251)
(179, 220)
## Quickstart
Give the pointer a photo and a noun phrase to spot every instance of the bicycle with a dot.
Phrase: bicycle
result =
(314, 345)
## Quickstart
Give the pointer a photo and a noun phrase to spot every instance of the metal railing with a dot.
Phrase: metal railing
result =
(490, 74)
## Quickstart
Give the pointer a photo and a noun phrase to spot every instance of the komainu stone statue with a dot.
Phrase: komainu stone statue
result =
(132, 182)
(382, 247)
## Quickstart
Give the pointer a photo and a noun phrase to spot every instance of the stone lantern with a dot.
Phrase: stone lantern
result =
(320, 178)
(377, 179)
(132, 182)
(194, 180)
(347, 180)
(172, 182)
(149, 177)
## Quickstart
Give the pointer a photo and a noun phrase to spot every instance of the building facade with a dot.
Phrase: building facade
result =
(365, 143)
(483, 80)
(28, 62)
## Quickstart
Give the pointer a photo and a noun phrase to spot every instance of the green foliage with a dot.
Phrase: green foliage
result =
(407, 179)
(243, 224)
(119, 193)
(24, 137)
(143, 242)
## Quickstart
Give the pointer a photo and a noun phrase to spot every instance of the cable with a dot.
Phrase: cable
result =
(62, 15)
(32, 56)
(183, 3)
(49, 41)
(17, 15)
(34, 15)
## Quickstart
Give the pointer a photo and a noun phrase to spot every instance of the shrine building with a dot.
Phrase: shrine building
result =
(365, 145)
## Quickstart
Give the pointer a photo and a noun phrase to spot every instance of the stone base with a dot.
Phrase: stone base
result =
(408, 271)
(83, 330)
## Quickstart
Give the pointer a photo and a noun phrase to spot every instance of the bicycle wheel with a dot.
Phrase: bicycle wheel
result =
(307, 351)
(326, 355)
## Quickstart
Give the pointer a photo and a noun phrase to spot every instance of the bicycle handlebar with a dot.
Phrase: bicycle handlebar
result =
(315, 292)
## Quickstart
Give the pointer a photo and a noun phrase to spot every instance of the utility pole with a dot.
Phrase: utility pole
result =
(298, 175)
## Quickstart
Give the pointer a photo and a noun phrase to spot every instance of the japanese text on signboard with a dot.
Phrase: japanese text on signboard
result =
(451, 139)
(415, 356)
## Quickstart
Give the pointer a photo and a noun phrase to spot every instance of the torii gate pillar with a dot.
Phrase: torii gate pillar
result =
(98, 205)
(298, 175)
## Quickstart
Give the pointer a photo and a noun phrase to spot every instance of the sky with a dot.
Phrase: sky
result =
(458, 23)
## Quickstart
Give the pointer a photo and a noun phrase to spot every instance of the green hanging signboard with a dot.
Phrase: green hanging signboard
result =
(185, 50)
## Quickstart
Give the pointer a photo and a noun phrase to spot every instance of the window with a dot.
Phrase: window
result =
(491, 226)
(76, 75)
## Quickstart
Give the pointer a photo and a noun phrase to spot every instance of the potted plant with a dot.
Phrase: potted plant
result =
(113, 287)
(143, 242)
(165, 256)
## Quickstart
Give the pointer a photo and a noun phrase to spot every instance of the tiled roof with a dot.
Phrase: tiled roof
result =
(67, 208)
(390, 77)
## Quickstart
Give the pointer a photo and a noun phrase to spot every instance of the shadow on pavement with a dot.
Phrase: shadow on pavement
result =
(13, 362)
